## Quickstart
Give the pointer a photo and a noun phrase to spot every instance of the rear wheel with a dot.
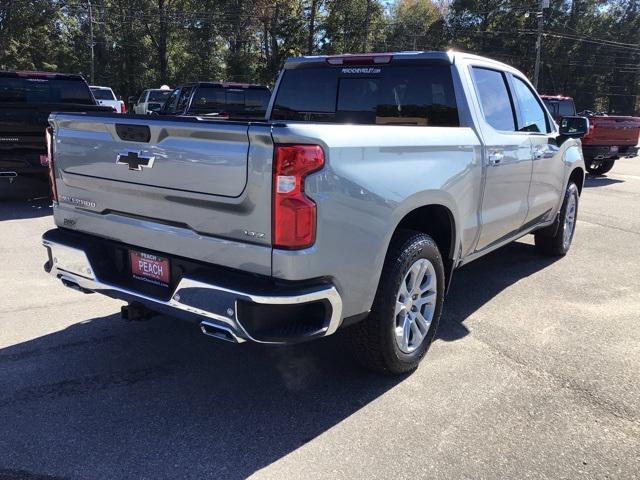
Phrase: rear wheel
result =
(560, 242)
(406, 311)
(599, 167)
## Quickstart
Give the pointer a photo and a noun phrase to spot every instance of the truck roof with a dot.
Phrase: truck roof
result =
(555, 97)
(34, 73)
(386, 57)
(374, 58)
(224, 85)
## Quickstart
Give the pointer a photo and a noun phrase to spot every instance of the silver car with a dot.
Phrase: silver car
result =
(151, 101)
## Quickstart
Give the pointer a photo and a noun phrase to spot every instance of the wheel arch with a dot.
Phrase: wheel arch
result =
(577, 176)
(437, 221)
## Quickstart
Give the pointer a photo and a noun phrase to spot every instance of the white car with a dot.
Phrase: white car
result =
(151, 100)
(105, 97)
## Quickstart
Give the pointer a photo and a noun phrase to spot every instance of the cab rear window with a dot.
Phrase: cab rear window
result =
(560, 108)
(230, 100)
(103, 94)
(377, 95)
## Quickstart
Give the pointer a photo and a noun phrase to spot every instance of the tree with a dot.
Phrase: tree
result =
(415, 24)
(591, 48)
(352, 25)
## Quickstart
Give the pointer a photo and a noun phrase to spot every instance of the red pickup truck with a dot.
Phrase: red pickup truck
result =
(609, 138)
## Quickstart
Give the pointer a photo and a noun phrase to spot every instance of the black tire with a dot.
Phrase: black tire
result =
(373, 339)
(554, 244)
(599, 167)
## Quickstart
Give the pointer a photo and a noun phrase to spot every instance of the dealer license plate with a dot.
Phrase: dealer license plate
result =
(149, 268)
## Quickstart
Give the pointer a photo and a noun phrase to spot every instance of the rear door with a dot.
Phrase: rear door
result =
(507, 157)
(139, 107)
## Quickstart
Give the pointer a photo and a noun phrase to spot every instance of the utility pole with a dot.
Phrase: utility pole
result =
(92, 44)
(543, 4)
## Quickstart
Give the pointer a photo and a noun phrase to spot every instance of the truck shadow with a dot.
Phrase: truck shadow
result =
(478, 282)
(27, 208)
(110, 399)
(591, 182)
(107, 399)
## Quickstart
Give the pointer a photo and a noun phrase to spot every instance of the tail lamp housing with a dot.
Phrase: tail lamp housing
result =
(294, 214)
(48, 135)
(589, 132)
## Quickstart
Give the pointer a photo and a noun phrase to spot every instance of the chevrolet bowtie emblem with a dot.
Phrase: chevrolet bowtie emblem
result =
(135, 160)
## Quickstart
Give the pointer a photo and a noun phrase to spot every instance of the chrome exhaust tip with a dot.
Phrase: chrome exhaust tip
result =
(218, 331)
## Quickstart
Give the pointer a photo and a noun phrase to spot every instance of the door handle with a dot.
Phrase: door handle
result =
(539, 152)
(495, 158)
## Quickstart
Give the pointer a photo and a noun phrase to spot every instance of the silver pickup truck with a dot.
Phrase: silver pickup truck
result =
(372, 179)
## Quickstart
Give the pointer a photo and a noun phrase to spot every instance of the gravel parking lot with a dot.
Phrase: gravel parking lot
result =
(536, 375)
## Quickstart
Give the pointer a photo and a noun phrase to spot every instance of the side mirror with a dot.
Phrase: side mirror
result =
(574, 127)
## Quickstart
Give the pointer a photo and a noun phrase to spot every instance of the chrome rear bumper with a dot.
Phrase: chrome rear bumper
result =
(213, 306)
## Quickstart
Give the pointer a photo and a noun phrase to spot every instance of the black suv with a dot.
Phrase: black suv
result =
(234, 101)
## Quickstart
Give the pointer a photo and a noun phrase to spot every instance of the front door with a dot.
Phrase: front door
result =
(547, 179)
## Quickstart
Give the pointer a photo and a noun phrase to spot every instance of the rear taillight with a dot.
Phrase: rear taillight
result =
(589, 132)
(294, 214)
(123, 107)
(48, 135)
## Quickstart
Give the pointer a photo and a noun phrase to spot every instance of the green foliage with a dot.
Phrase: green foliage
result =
(416, 22)
(591, 48)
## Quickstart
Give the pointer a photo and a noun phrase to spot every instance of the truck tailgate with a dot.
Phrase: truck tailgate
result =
(203, 158)
(613, 130)
(192, 188)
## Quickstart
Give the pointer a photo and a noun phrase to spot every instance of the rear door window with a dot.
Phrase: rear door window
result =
(159, 96)
(380, 95)
(493, 93)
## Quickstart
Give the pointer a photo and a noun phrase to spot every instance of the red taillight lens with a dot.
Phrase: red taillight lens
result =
(294, 214)
(589, 132)
(123, 107)
(48, 135)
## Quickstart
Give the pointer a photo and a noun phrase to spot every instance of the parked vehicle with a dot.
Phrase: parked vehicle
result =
(610, 137)
(224, 101)
(26, 100)
(373, 179)
(105, 97)
(151, 101)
